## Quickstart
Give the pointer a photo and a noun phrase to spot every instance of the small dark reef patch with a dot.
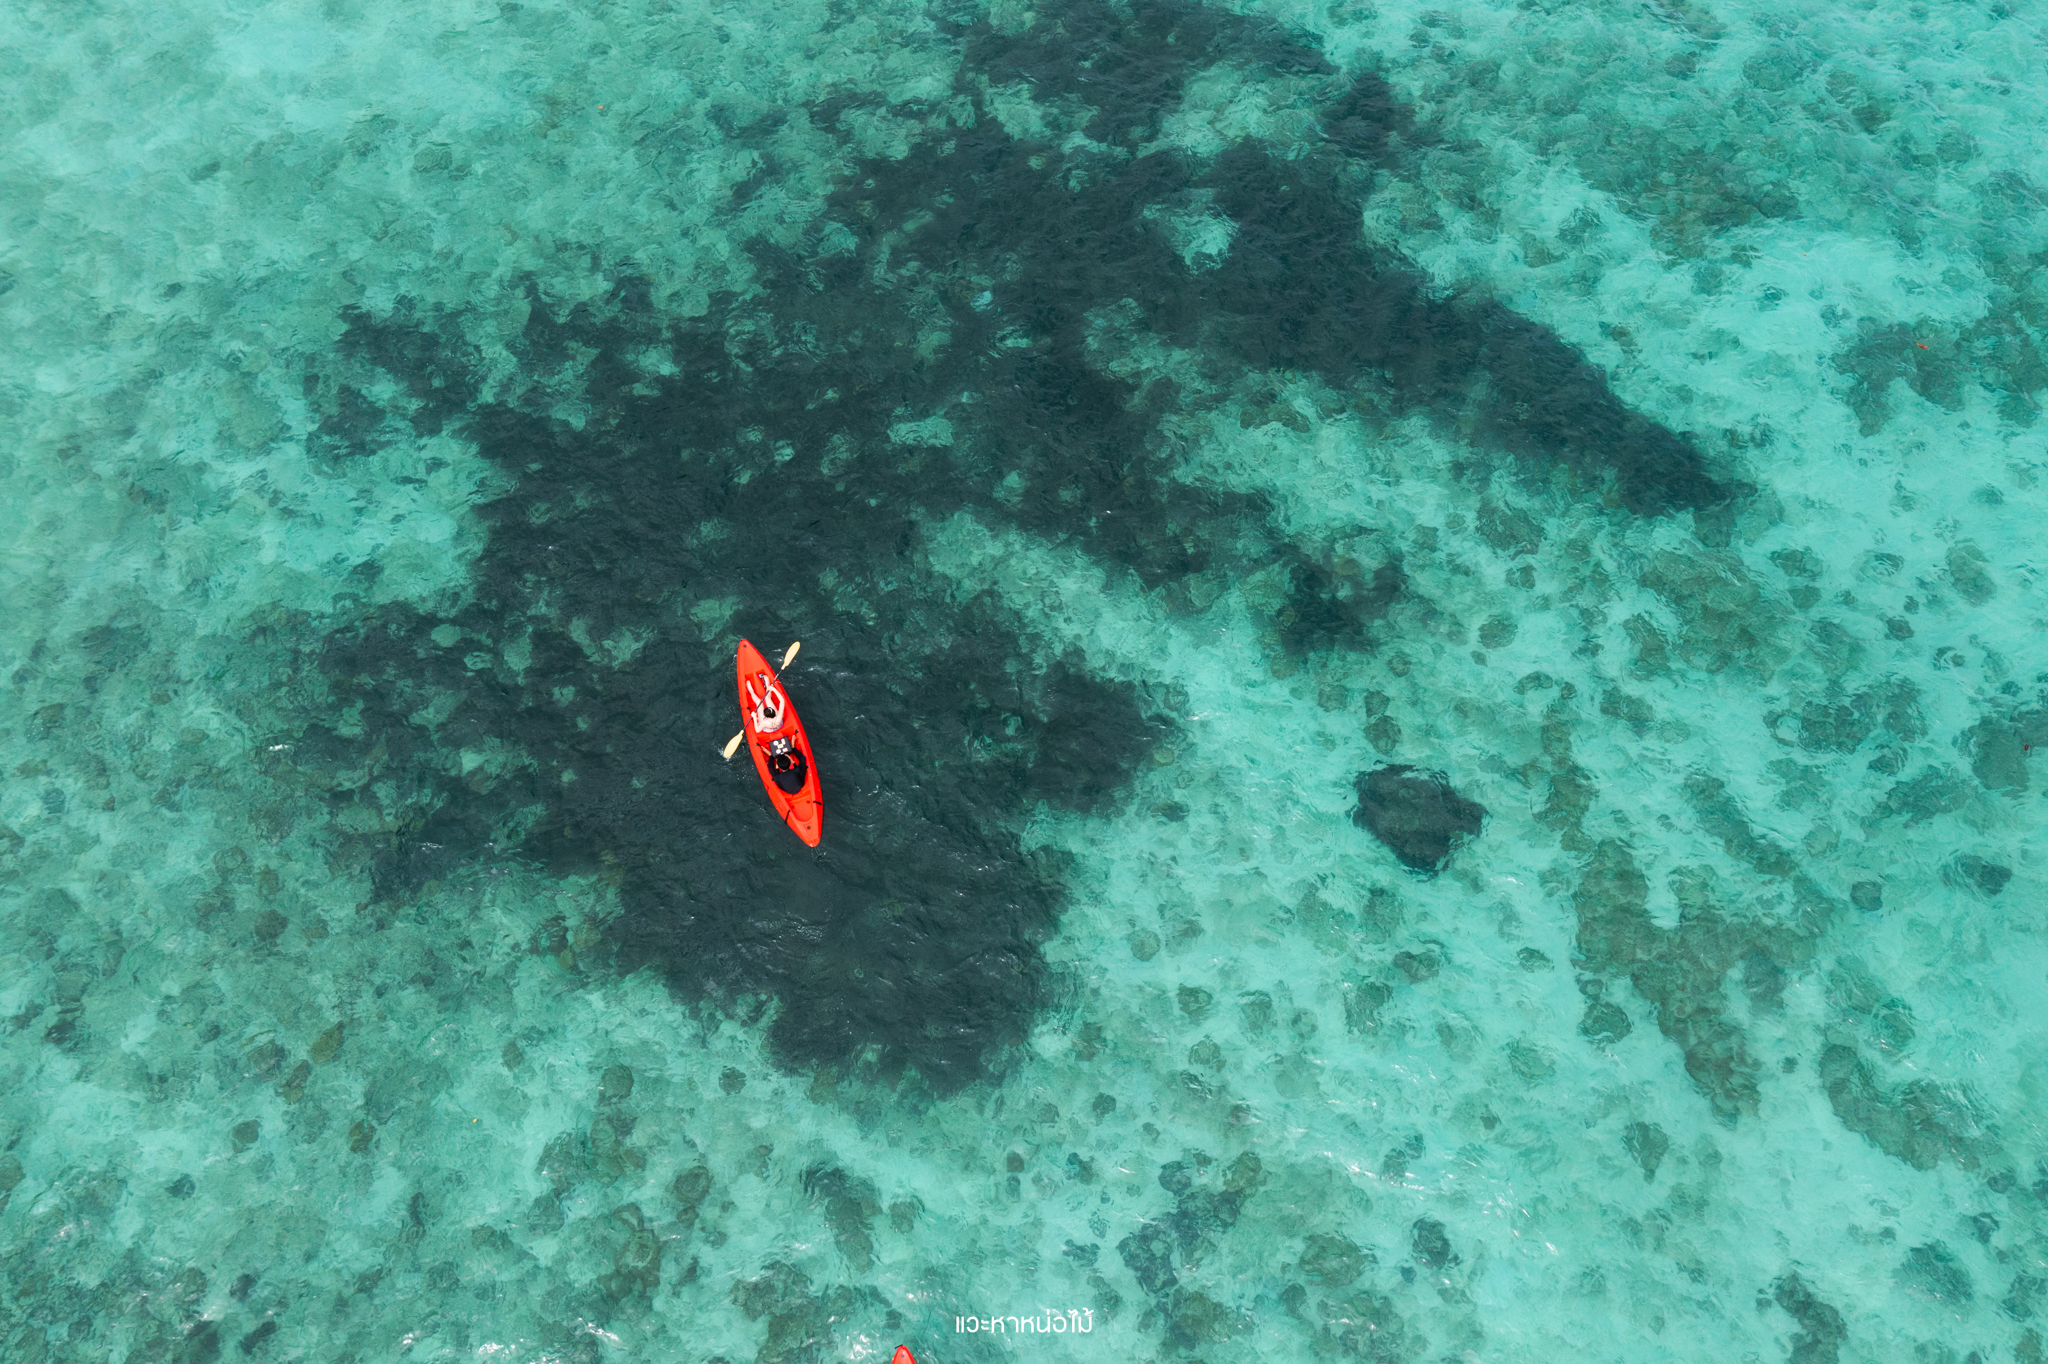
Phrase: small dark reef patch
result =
(1417, 815)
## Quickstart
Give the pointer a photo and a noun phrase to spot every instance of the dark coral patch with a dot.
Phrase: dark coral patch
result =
(918, 928)
(659, 472)
(1417, 815)
(1821, 1329)
(1300, 288)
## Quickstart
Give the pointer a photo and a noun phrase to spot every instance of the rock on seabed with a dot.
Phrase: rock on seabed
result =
(1417, 815)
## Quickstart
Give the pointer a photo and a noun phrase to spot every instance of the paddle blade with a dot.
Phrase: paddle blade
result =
(734, 746)
(790, 653)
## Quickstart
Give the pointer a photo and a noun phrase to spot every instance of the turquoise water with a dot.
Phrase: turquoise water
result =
(1421, 629)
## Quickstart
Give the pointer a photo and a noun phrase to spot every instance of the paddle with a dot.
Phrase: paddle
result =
(733, 746)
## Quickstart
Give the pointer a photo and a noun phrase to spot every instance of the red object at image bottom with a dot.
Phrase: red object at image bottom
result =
(903, 1356)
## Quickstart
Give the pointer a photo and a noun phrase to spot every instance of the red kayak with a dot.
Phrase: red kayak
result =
(781, 749)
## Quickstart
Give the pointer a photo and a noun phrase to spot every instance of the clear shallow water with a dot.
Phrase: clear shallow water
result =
(1153, 422)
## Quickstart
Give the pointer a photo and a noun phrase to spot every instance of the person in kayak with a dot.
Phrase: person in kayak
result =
(786, 765)
(768, 708)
